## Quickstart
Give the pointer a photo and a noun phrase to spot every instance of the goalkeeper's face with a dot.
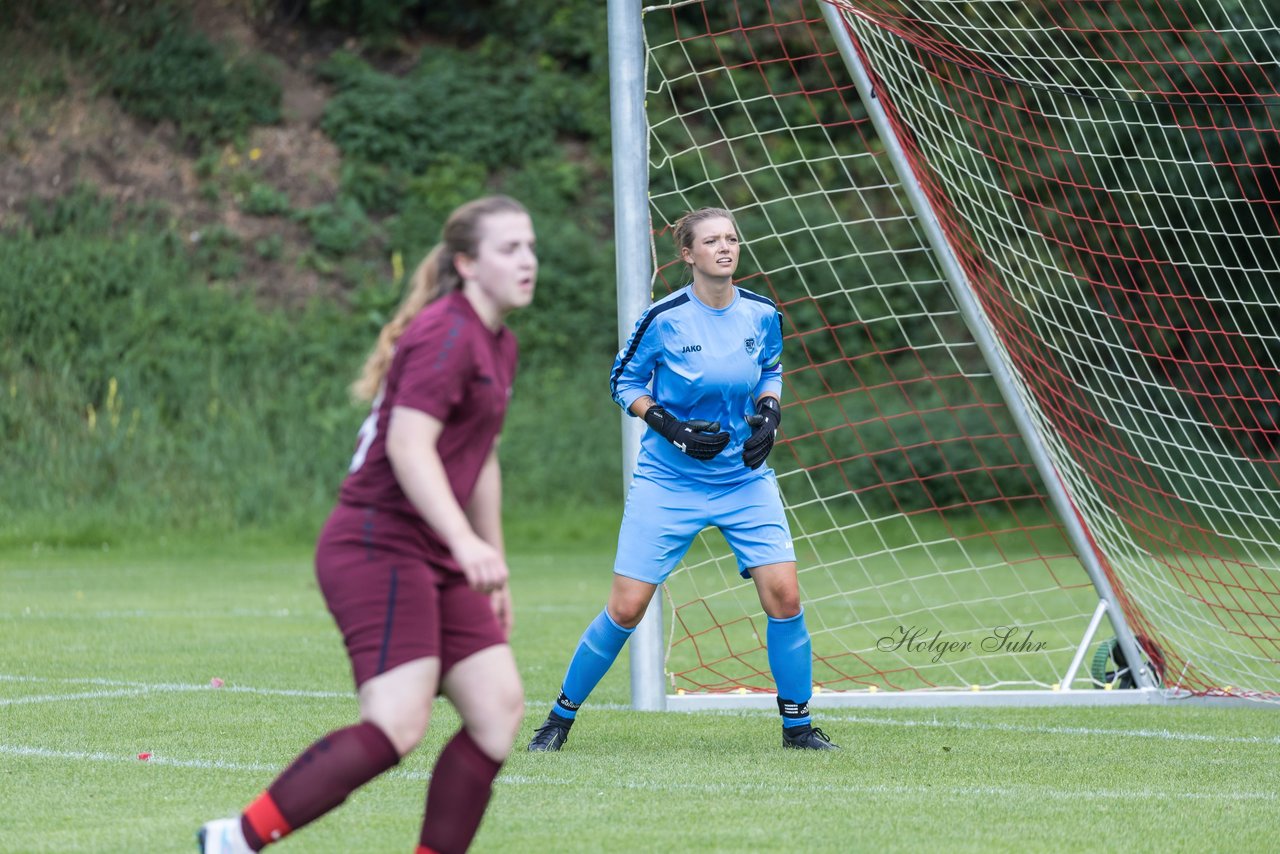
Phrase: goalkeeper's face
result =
(714, 253)
(504, 269)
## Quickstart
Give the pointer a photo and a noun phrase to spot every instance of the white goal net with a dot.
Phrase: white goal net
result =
(1106, 176)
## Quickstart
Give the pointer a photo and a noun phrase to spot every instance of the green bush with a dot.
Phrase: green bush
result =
(454, 104)
(265, 200)
(428, 200)
(338, 228)
(569, 31)
(378, 188)
(181, 77)
(82, 209)
(217, 251)
(369, 17)
(269, 248)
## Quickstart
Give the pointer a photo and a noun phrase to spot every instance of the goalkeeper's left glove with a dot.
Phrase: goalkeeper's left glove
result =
(764, 429)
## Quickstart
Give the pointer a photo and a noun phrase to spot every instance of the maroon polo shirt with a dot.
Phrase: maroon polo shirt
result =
(449, 365)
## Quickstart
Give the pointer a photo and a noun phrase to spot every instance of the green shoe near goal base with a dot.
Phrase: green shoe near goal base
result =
(807, 738)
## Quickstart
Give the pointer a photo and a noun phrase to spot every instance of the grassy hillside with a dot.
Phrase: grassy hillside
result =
(207, 211)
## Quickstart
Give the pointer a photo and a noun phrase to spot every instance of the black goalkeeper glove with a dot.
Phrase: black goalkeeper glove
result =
(764, 429)
(701, 440)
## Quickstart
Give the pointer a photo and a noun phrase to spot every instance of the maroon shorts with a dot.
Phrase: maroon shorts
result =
(391, 600)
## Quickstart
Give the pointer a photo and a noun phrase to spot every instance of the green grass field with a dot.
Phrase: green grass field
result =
(105, 655)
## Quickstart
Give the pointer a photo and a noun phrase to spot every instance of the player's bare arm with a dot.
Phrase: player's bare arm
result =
(411, 447)
(484, 511)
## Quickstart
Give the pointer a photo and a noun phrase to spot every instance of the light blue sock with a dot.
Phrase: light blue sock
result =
(599, 646)
(791, 660)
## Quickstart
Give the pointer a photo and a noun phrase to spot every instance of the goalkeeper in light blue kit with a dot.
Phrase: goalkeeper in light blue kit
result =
(703, 369)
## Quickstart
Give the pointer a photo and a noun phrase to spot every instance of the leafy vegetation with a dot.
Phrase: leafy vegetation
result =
(152, 384)
(183, 78)
(147, 56)
(432, 104)
(141, 398)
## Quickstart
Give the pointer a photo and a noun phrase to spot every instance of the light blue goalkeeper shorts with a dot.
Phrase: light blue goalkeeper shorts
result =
(662, 518)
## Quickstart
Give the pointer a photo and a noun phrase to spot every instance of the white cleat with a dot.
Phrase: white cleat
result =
(222, 836)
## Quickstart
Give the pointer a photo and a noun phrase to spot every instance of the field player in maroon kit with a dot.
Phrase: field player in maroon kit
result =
(411, 561)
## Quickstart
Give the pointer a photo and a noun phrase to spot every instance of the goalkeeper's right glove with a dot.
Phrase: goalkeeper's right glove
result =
(701, 440)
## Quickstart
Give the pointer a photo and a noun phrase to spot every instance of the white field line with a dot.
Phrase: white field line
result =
(83, 695)
(137, 613)
(172, 762)
(748, 787)
(127, 688)
(155, 688)
(745, 787)
(1163, 734)
(250, 613)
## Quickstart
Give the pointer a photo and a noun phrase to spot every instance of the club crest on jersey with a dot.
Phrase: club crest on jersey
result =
(750, 344)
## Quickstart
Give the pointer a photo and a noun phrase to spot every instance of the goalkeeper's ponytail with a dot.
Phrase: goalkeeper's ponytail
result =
(435, 276)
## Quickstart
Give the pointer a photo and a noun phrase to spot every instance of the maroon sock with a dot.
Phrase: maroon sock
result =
(457, 795)
(317, 781)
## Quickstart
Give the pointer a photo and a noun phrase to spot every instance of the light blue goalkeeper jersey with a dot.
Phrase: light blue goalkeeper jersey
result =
(701, 362)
